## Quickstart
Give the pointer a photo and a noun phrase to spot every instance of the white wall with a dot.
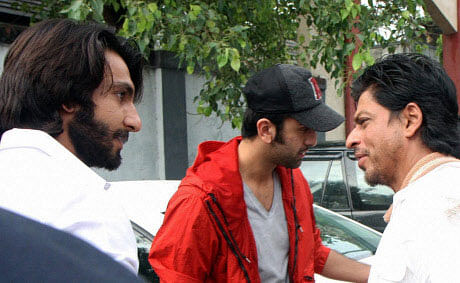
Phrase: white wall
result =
(199, 127)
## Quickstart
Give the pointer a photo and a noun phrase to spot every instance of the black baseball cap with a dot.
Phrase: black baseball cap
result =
(290, 89)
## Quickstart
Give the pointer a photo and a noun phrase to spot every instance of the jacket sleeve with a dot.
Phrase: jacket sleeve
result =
(185, 246)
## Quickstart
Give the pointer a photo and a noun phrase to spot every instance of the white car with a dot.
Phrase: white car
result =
(145, 203)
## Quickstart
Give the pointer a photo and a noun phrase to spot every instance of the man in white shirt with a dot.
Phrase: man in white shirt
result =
(67, 96)
(406, 137)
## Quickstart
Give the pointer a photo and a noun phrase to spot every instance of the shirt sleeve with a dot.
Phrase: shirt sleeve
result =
(185, 246)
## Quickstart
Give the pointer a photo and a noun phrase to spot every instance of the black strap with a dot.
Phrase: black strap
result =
(227, 239)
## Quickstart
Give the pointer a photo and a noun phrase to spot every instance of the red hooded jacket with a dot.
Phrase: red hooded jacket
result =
(206, 235)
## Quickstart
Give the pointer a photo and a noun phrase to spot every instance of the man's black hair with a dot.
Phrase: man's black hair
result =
(249, 127)
(396, 80)
(58, 62)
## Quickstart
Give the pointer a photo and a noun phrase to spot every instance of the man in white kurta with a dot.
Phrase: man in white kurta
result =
(406, 137)
(420, 242)
(42, 180)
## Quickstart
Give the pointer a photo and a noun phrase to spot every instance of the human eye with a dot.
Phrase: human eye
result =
(362, 121)
(121, 94)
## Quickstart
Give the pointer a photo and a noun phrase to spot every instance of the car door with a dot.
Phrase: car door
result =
(324, 171)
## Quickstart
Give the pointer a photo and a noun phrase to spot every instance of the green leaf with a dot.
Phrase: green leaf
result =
(75, 5)
(190, 68)
(235, 62)
(125, 26)
(210, 24)
(195, 10)
(183, 42)
(344, 13)
(357, 61)
(354, 12)
(242, 42)
(207, 111)
(141, 25)
(222, 58)
(132, 10)
(405, 15)
(153, 7)
(98, 6)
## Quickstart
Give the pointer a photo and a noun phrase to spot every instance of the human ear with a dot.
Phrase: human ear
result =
(266, 131)
(69, 108)
(413, 118)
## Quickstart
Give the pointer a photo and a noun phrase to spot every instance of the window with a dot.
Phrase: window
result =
(335, 194)
(315, 172)
(366, 197)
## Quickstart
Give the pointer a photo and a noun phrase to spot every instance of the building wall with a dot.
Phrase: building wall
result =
(199, 127)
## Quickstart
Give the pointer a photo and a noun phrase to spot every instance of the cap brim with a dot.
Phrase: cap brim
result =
(321, 118)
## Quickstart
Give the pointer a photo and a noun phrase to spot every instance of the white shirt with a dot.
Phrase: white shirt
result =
(42, 180)
(422, 240)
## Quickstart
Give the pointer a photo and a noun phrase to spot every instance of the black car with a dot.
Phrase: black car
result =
(337, 183)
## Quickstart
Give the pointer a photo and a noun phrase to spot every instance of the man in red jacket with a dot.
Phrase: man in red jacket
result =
(244, 213)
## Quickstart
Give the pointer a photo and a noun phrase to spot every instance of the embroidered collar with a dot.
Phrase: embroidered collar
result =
(425, 165)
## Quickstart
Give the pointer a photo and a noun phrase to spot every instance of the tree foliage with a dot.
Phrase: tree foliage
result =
(228, 40)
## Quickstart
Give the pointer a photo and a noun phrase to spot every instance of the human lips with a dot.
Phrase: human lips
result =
(361, 156)
(303, 152)
(121, 137)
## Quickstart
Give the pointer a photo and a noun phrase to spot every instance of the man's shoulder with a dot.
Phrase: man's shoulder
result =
(443, 180)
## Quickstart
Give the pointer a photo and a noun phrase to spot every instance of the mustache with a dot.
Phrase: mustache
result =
(361, 151)
(122, 135)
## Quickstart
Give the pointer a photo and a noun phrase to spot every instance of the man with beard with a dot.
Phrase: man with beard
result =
(406, 137)
(67, 96)
(244, 213)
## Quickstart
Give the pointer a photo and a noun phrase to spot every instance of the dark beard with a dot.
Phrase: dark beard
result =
(288, 161)
(93, 141)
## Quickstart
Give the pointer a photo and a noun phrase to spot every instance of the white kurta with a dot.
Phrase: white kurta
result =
(422, 240)
(42, 180)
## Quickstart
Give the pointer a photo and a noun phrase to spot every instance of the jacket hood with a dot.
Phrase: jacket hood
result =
(215, 174)
(216, 166)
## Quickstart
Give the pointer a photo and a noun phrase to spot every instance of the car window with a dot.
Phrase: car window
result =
(346, 236)
(315, 172)
(144, 242)
(366, 197)
(335, 194)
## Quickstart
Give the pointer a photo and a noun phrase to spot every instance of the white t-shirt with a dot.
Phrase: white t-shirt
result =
(42, 180)
(270, 233)
(421, 243)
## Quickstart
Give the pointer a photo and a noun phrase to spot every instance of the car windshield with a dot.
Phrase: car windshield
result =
(345, 236)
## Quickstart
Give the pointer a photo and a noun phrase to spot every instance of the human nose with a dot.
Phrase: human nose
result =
(132, 120)
(352, 139)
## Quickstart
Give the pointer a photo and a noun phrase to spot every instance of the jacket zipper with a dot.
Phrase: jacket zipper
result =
(228, 237)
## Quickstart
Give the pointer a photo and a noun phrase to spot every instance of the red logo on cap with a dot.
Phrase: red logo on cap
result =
(316, 90)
